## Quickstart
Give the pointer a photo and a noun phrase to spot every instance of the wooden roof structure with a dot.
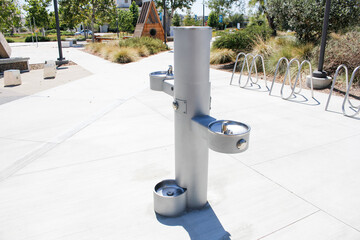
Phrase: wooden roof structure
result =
(148, 23)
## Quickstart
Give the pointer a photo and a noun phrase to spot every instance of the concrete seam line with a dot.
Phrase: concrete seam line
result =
(44, 148)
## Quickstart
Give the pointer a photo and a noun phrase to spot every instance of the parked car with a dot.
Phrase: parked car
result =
(82, 32)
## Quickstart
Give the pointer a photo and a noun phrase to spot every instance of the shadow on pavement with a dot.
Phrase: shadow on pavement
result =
(200, 224)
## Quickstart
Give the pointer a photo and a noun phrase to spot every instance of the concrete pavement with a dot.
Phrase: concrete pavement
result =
(79, 161)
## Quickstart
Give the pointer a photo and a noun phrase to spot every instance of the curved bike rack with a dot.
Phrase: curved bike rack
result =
(242, 68)
(348, 86)
(252, 65)
(288, 75)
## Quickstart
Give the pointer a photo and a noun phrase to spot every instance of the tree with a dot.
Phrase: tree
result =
(262, 9)
(125, 21)
(89, 11)
(176, 21)
(213, 19)
(236, 18)
(305, 17)
(189, 20)
(134, 9)
(173, 5)
(36, 10)
(9, 15)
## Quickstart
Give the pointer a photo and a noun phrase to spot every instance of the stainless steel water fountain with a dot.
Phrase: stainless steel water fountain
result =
(195, 130)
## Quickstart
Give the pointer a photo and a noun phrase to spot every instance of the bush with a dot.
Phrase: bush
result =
(94, 47)
(220, 56)
(238, 41)
(242, 40)
(39, 38)
(153, 45)
(67, 33)
(341, 49)
(51, 31)
(9, 40)
(124, 55)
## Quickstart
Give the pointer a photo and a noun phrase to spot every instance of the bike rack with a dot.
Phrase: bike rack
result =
(348, 86)
(252, 65)
(288, 74)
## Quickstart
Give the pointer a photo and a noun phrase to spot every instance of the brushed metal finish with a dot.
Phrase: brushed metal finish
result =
(191, 65)
(169, 198)
(228, 136)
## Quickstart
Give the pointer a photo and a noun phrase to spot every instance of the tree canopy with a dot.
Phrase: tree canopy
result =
(9, 15)
(305, 17)
(213, 20)
(176, 21)
(74, 12)
(36, 10)
(134, 9)
(173, 5)
(125, 21)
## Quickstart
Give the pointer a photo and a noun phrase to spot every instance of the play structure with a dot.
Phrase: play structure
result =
(149, 23)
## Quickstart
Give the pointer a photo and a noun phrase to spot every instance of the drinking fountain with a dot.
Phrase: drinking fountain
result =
(195, 130)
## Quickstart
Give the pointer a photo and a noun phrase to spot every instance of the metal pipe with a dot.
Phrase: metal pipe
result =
(320, 73)
(192, 94)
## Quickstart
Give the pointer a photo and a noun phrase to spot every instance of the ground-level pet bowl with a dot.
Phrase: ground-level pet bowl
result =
(169, 198)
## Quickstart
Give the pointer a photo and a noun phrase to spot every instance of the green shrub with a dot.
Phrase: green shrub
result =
(9, 40)
(152, 44)
(238, 41)
(51, 31)
(242, 40)
(39, 38)
(220, 56)
(67, 33)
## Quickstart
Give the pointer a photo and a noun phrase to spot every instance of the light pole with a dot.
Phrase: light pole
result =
(61, 60)
(164, 21)
(320, 78)
(203, 12)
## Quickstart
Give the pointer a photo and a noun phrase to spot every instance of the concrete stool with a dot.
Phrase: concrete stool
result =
(49, 69)
(66, 44)
(12, 77)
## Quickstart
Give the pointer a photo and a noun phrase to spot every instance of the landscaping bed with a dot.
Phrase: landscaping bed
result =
(127, 50)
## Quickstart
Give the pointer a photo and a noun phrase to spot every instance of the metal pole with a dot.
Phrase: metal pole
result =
(203, 12)
(320, 73)
(192, 95)
(58, 31)
(164, 21)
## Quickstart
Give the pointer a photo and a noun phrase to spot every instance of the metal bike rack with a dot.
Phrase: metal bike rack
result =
(288, 74)
(195, 130)
(348, 87)
(252, 65)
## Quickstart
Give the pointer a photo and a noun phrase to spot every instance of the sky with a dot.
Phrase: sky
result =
(197, 8)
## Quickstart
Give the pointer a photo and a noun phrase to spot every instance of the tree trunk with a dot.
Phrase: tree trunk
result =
(271, 24)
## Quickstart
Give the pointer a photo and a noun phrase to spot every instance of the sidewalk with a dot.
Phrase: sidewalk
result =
(79, 161)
